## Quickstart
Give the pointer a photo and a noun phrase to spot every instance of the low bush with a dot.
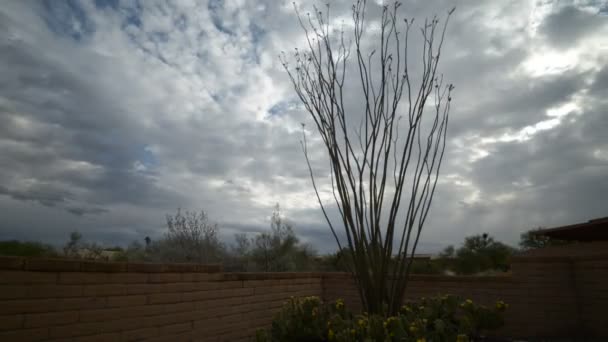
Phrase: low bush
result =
(441, 318)
(26, 249)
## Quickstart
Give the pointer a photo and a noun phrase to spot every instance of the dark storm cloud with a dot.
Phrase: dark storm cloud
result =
(600, 83)
(516, 103)
(552, 173)
(568, 25)
(80, 211)
(44, 194)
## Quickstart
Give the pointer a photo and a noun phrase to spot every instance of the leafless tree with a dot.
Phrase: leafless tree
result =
(383, 175)
(192, 238)
(275, 250)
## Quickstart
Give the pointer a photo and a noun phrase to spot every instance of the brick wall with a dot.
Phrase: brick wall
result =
(592, 293)
(548, 296)
(65, 300)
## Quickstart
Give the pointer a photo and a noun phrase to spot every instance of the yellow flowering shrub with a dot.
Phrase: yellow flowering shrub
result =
(442, 318)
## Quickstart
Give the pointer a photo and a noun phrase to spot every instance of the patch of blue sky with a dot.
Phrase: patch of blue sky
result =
(601, 6)
(103, 4)
(132, 14)
(233, 91)
(158, 37)
(181, 22)
(147, 158)
(257, 34)
(217, 97)
(215, 7)
(281, 107)
(252, 56)
(67, 18)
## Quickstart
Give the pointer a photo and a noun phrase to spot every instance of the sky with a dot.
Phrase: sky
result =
(115, 113)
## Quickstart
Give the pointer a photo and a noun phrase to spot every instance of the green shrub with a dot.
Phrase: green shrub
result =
(301, 319)
(441, 318)
(26, 249)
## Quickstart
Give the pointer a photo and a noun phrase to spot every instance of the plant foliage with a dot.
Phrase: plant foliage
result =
(441, 318)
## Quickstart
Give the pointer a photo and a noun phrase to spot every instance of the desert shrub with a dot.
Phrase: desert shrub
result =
(425, 267)
(27, 249)
(301, 319)
(441, 318)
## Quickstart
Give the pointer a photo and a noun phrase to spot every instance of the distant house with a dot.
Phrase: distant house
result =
(588, 238)
(424, 257)
(592, 230)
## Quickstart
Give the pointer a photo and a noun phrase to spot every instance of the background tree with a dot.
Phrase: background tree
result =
(447, 252)
(280, 249)
(190, 238)
(76, 247)
(383, 175)
(239, 258)
(134, 252)
(276, 250)
(70, 249)
(479, 253)
(339, 261)
(529, 240)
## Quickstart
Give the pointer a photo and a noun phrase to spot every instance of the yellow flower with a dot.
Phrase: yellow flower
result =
(330, 335)
(421, 340)
(466, 303)
(353, 331)
(462, 338)
(339, 304)
(389, 321)
(500, 305)
(413, 329)
(361, 323)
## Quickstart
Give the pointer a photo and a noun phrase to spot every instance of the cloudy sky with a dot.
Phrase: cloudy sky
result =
(114, 113)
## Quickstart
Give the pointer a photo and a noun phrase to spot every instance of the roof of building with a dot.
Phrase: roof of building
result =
(592, 230)
(575, 249)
